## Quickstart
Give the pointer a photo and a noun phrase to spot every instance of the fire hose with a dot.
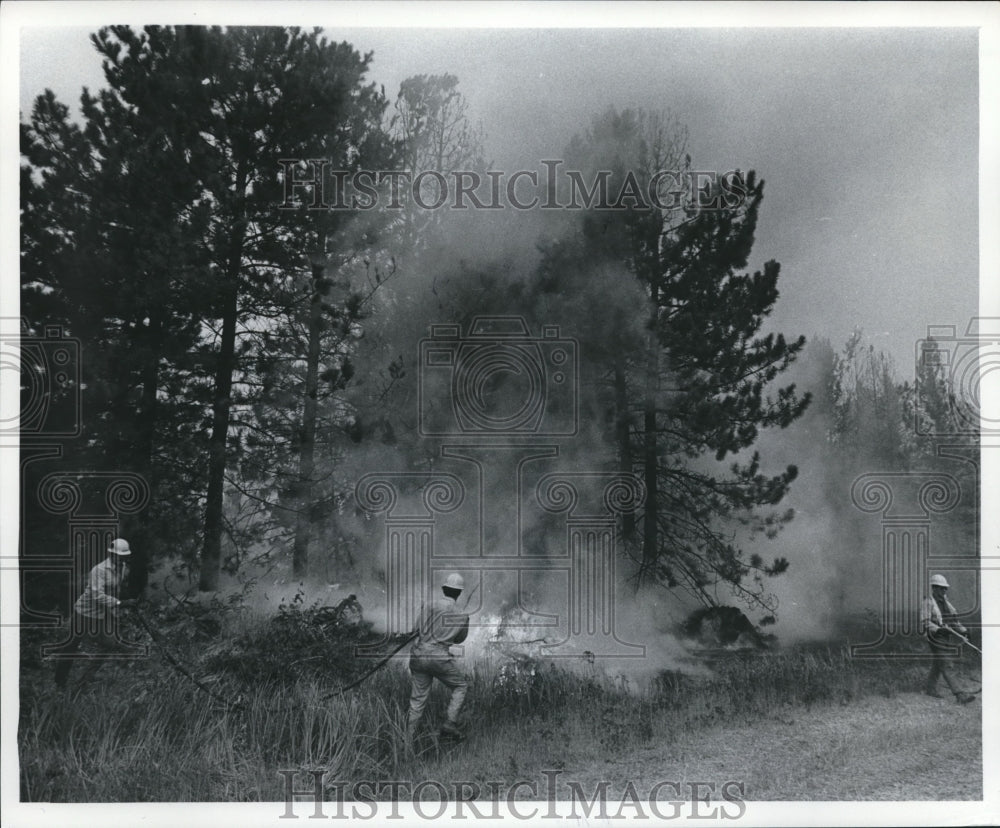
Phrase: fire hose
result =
(176, 664)
(385, 659)
(963, 639)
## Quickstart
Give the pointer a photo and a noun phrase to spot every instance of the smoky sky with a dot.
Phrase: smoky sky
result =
(867, 140)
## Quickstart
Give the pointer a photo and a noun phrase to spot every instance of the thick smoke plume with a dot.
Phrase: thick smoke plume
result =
(468, 267)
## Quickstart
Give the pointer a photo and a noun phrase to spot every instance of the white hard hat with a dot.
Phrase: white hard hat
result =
(119, 546)
(939, 580)
(455, 581)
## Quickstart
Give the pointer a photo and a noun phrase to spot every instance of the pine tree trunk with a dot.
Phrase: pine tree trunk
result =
(303, 526)
(143, 532)
(649, 460)
(622, 423)
(211, 553)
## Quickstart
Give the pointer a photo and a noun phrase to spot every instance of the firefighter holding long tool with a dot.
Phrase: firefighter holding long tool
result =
(939, 622)
(439, 626)
(95, 611)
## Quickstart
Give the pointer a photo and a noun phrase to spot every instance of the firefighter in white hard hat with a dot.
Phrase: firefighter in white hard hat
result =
(95, 611)
(939, 621)
(439, 626)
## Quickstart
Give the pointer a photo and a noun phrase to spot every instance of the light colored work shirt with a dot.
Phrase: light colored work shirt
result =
(932, 619)
(439, 626)
(101, 594)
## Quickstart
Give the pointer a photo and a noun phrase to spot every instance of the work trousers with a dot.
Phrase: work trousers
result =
(939, 666)
(100, 634)
(423, 671)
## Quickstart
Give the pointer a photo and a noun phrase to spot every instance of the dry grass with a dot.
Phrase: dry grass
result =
(803, 724)
(908, 747)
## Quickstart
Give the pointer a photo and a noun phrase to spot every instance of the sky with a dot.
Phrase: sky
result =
(867, 140)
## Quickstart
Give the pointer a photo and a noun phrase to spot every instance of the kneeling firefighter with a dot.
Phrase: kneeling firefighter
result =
(439, 626)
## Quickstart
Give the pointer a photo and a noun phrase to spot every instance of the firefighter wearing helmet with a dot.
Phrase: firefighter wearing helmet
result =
(95, 611)
(439, 626)
(939, 622)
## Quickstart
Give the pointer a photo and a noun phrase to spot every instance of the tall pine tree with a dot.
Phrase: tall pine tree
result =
(693, 380)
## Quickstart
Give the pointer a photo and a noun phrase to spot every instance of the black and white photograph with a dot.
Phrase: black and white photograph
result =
(541, 412)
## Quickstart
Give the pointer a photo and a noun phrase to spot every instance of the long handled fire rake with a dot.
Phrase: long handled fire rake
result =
(963, 639)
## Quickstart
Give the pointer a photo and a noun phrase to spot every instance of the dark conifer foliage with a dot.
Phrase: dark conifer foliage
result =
(153, 231)
(691, 367)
